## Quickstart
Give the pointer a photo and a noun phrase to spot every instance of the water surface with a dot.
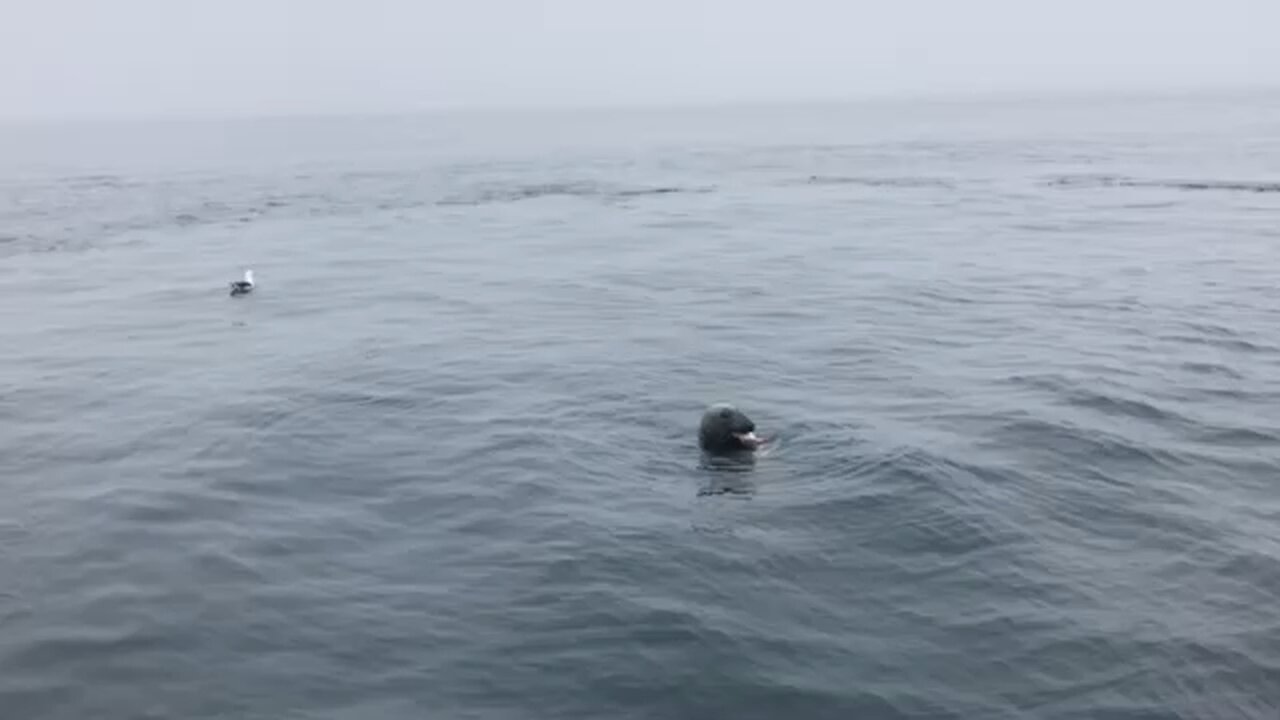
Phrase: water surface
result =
(1020, 359)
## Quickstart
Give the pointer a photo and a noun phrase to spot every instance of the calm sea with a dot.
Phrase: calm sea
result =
(1020, 360)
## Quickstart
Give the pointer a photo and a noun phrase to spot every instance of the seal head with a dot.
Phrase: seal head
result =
(726, 429)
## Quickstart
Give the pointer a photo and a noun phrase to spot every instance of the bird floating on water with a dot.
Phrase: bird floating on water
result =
(245, 286)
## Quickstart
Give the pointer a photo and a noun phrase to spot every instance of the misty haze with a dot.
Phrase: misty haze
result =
(69, 58)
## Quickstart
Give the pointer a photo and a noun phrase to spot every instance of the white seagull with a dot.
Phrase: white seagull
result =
(245, 286)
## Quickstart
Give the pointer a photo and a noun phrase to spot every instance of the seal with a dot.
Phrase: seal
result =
(727, 430)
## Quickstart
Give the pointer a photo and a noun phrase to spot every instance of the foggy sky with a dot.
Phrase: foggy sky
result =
(65, 58)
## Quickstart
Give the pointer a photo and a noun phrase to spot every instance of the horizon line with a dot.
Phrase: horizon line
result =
(993, 95)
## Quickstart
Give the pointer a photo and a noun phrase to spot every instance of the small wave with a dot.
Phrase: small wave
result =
(1209, 368)
(517, 193)
(1220, 343)
(890, 182)
(89, 182)
(1095, 396)
(945, 297)
(383, 401)
(660, 191)
(1088, 181)
(1111, 404)
(1150, 205)
(1240, 437)
(1081, 445)
(35, 244)
(729, 485)
(1211, 329)
(685, 224)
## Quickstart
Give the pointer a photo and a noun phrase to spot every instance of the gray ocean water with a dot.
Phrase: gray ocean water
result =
(1019, 359)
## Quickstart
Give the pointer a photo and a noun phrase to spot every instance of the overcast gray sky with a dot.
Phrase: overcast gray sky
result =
(147, 57)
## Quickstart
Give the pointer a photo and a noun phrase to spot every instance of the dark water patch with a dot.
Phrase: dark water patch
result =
(1242, 394)
(641, 192)
(1093, 181)
(1112, 403)
(56, 245)
(505, 194)
(1241, 437)
(1214, 329)
(150, 211)
(728, 480)
(1219, 342)
(484, 195)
